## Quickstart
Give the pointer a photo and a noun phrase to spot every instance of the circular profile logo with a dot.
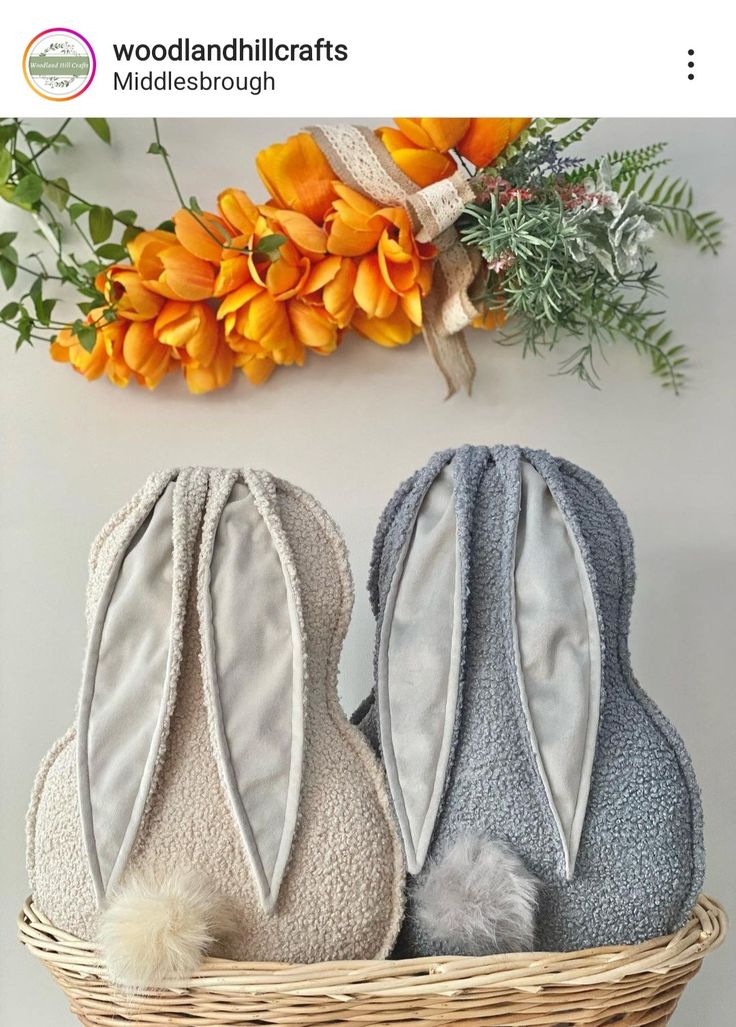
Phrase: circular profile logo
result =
(59, 64)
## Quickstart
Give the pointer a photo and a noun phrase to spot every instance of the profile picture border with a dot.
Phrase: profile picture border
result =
(52, 31)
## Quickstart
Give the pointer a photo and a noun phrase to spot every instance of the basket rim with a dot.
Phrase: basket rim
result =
(705, 931)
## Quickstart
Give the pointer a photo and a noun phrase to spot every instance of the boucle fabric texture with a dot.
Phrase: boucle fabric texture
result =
(639, 863)
(341, 893)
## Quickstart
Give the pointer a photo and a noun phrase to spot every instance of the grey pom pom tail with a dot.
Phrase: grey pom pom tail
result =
(477, 898)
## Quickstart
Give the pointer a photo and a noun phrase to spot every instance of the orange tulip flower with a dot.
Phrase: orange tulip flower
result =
(330, 286)
(298, 176)
(104, 358)
(440, 134)
(486, 138)
(282, 306)
(215, 375)
(313, 327)
(257, 366)
(353, 226)
(190, 329)
(393, 271)
(170, 270)
(395, 330)
(123, 287)
(420, 145)
(149, 359)
(203, 235)
(422, 165)
(238, 210)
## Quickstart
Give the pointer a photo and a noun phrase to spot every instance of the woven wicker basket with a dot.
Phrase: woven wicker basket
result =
(628, 986)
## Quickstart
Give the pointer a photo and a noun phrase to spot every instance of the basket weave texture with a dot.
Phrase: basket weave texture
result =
(629, 986)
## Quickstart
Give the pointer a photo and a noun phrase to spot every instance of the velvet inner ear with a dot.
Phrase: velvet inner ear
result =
(254, 652)
(558, 656)
(419, 667)
(121, 711)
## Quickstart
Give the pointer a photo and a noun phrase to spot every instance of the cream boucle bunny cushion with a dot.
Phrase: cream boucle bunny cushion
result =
(209, 736)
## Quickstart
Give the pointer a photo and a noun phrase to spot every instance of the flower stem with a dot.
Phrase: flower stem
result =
(167, 162)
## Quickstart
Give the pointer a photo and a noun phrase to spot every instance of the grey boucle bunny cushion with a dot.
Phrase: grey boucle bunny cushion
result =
(507, 704)
(209, 735)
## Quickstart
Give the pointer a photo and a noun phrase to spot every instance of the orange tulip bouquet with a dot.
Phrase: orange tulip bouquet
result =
(427, 227)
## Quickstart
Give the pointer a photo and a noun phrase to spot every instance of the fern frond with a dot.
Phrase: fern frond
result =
(577, 133)
(673, 198)
(623, 163)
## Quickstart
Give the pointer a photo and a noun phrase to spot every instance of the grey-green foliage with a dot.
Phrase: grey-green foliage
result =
(638, 170)
(551, 291)
(614, 229)
(574, 259)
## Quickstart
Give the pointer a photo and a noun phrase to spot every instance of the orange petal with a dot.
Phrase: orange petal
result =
(493, 318)
(237, 299)
(321, 273)
(411, 304)
(256, 369)
(357, 201)
(238, 210)
(188, 277)
(348, 242)
(90, 365)
(337, 295)
(195, 331)
(371, 292)
(203, 342)
(155, 241)
(395, 330)
(424, 278)
(234, 272)
(60, 350)
(308, 237)
(267, 322)
(144, 354)
(487, 137)
(201, 234)
(424, 166)
(434, 133)
(113, 334)
(171, 312)
(392, 139)
(118, 371)
(216, 375)
(399, 268)
(138, 303)
(313, 327)
(297, 175)
(285, 280)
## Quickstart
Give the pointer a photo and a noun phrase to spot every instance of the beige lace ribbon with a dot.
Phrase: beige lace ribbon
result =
(361, 161)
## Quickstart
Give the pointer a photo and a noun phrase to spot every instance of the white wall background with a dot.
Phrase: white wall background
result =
(350, 429)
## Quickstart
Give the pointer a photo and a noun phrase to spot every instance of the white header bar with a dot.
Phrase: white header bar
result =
(347, 59)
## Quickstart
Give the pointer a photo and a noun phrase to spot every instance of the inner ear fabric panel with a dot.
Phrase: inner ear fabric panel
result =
(129, 668)
(258, 669)
(419, 667)
(558, 655)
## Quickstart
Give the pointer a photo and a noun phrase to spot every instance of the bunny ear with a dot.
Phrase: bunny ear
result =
(558, 655)
(418, 665)
(254, 666)
(127, 677)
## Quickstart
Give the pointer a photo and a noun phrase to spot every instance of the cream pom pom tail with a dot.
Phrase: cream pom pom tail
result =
(159, 928)
(477, 898)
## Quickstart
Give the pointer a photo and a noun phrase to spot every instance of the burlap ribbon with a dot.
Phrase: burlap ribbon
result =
(361, 161)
